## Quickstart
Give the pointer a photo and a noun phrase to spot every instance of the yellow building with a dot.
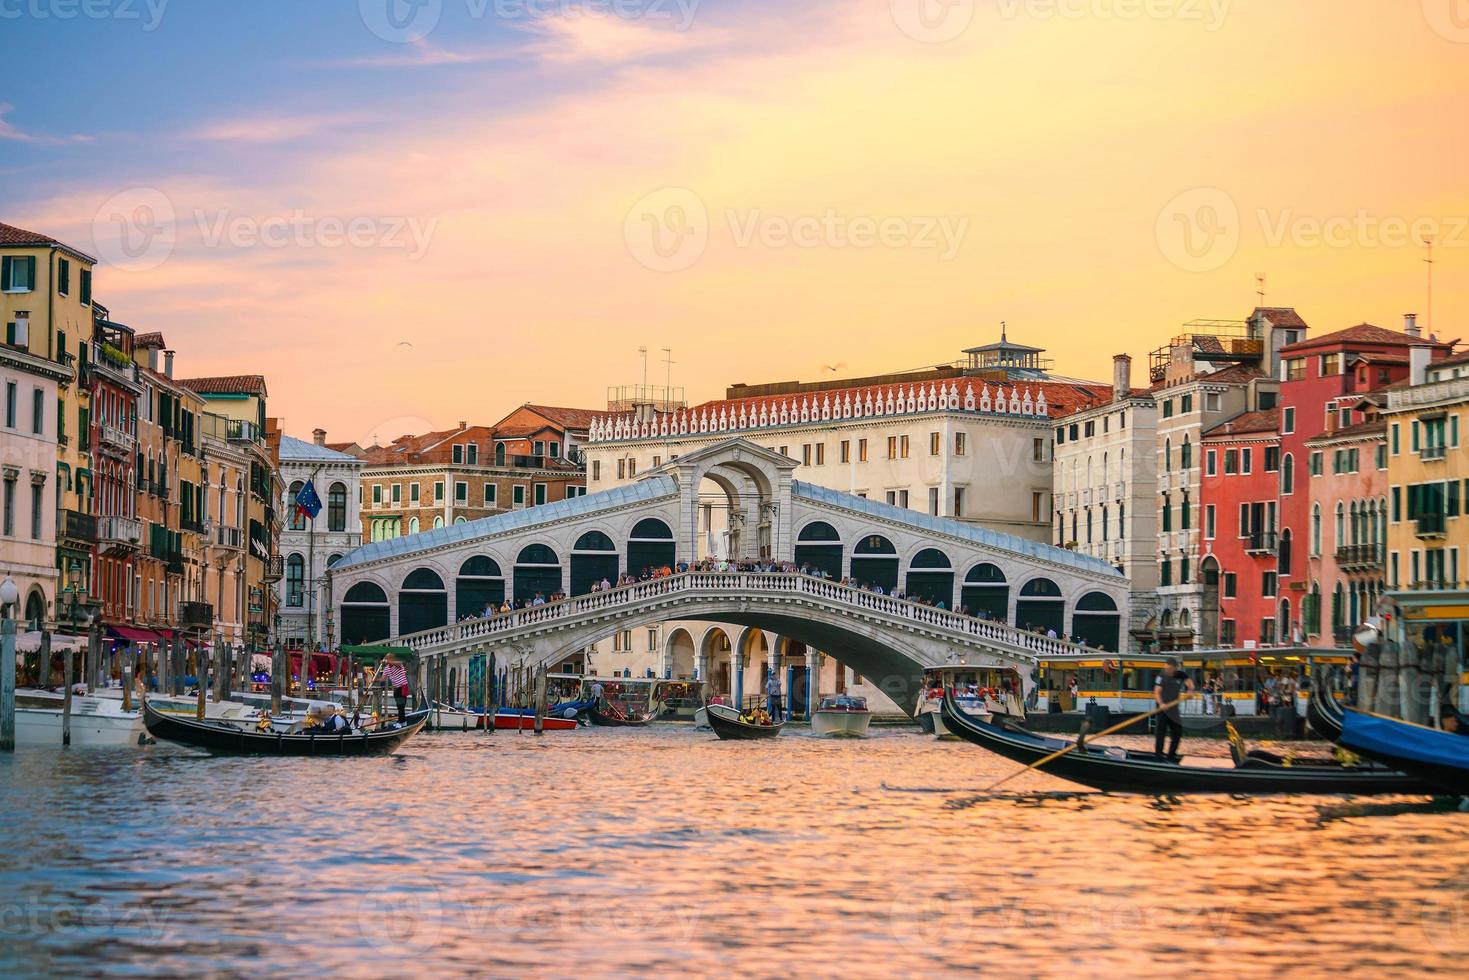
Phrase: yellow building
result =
(46, 309)
(1428, 502)
(240, 400)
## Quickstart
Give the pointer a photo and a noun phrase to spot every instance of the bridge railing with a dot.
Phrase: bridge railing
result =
(737, 583)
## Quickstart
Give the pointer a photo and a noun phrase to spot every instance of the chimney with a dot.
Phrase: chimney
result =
(1121, 376)
(463, 425)
(168, 364)
(318, 436)
(1410, 325)
(1418, 358)
(152, 358)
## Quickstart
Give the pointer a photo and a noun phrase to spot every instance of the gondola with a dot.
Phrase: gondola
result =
(725, 720)
(606, 719)
(1123, 771)
(1431, 754)
(225, 738)
(1324, 715)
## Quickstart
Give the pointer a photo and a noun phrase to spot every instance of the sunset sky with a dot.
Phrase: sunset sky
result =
(535, 188)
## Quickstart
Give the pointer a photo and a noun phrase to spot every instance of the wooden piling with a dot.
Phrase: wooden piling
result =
(540, 699)
(127, 686)
(279, 666)
(67, 665)
(43, 667)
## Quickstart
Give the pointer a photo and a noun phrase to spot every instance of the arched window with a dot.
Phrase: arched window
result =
(931, 577)
(438, 522)
(986, 594)
(818, 531)
(930, 558)
(1341, 525)
(650, 545)
(1283, 555)
(332, 560)
(820, 546)
(537, 572)
(1097, 622)
(423, 603)
(295, 580)
(365, 614)
(413, 525)
(336, 507)
(298, 520)
(1040, 606)
(1186, 455)
(593, 558)
(1167, 455)
(1316, 529)
(479, 587)
(875, 562)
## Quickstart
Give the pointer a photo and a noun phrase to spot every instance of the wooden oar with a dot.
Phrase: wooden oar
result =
(1077, 744)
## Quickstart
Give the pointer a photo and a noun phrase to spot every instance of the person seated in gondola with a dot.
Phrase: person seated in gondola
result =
(1450, 720)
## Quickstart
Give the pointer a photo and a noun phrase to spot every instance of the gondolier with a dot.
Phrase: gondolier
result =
(396, 677)
(772, 694)
(1166, 690)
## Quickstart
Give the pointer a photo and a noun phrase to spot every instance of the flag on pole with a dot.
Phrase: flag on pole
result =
(307, 502)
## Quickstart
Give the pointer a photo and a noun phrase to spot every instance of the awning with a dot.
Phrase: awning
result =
(30, 642)
(132, 634)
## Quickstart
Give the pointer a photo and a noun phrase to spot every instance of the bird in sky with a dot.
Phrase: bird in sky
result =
(404, 343)
(833, 367)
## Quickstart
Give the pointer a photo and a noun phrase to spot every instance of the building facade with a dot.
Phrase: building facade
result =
(1243, 548)
(28, 480)
(311, 546)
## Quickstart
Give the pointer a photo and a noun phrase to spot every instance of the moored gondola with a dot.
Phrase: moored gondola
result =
(1431, 754)
(1324, 715)
(727, 724)
(225, 738)
(615, 717)
(1123, 771)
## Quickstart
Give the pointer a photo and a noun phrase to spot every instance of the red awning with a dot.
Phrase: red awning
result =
(132, 634)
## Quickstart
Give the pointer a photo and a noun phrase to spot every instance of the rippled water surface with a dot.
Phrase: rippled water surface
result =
(624, 852)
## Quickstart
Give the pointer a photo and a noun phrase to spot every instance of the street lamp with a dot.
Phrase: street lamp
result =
(9, 596)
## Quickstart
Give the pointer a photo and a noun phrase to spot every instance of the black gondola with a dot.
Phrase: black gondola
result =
(726, 723)
(1123, 771)
(606, 719)
(1324, 715)
(225, 738)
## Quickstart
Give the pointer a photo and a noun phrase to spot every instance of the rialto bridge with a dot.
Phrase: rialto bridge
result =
(428, 591)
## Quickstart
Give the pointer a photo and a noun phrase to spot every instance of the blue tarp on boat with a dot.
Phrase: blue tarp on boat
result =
(1438, 756)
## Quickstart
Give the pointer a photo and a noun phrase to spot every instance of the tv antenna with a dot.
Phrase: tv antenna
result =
(643, 350)
(1260, 287)
(1428, 244)
(668, 376)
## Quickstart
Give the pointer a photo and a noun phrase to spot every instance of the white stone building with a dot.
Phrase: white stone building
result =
(28, 495)
(310, 547)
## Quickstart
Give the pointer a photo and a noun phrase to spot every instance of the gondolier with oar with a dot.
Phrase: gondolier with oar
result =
(394, 676)
(1167, 690)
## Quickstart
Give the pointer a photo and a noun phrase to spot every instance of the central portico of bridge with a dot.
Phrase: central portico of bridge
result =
(431, 591)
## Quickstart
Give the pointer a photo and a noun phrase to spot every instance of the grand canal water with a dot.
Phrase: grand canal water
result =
(619, 852)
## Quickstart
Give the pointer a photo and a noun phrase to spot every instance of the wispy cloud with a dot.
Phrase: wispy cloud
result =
(8, 131)
(273, 129)
(610, 39)
(422, 54)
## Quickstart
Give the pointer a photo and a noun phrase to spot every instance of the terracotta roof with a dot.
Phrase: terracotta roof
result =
(1451, 361)
(1266, 421)
(1061, 398)
(1371, 357)
(237, 384)
(571, 418)
(154, 339)
(1280, 316)
(1362, 430)
(1362, 333)
(1235, 374)
(343, 447)
(11, 235)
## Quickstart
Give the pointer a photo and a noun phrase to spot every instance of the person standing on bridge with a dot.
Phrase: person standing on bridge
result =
(772, 694)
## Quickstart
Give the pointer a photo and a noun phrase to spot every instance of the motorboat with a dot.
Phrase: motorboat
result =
(1126, 771)
(1438, 757)
(187, 705)
(443, 717)
(95, 721)
(841, 716)
(222, 737)
(729, 723)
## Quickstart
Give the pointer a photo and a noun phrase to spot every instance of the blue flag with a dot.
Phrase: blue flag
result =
(307, 502)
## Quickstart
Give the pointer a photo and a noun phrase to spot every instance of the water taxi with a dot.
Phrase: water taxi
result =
(982, 691)
(841, 716)
(95, 722)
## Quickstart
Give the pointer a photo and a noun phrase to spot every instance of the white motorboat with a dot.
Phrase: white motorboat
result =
(187, 706)
(701, 718)
(841, 716)
(95, 722)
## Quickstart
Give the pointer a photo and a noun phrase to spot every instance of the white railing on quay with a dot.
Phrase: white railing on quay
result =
(467, 631)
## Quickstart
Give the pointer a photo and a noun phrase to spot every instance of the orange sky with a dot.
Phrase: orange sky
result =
(1108, 177)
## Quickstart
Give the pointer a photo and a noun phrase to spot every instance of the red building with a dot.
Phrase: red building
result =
(113, 437)
(1240, 490)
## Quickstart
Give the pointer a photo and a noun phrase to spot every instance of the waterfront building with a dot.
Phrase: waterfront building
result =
(28, 479)
(309, 546)
(46, 310)
(418, 483)
(225, 472)
(241, 401)
(1105, 484)
(114, 437)
(1239, 512)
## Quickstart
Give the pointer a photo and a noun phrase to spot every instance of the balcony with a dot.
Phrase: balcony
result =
(228, 537)
(79, 527)
(121, 371)
(174, 564)
(275, 568)
(1261, 543)
(193, 526)
(1359, 557)
(115, 437)
(119, 535)
(196, 615)
(1430, 526)
(239, 431)
(1432, 453)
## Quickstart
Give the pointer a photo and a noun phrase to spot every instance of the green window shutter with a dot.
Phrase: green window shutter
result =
(1451, 499)
(1415, 436)
(86, 287)
(1397, 504)
(30, 267)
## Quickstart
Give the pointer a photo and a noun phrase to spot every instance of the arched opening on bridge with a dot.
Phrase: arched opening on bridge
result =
(1097, 622)
(875, 562)
(931, 577)
(679, 653)
(537, 572)
(820, 546)
(593, 558)
(649, 546)
(423, 603)
(715, 650)
(366, 615)
(986, 594)
(479, 588)
(756, 653)
(1041, 606)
